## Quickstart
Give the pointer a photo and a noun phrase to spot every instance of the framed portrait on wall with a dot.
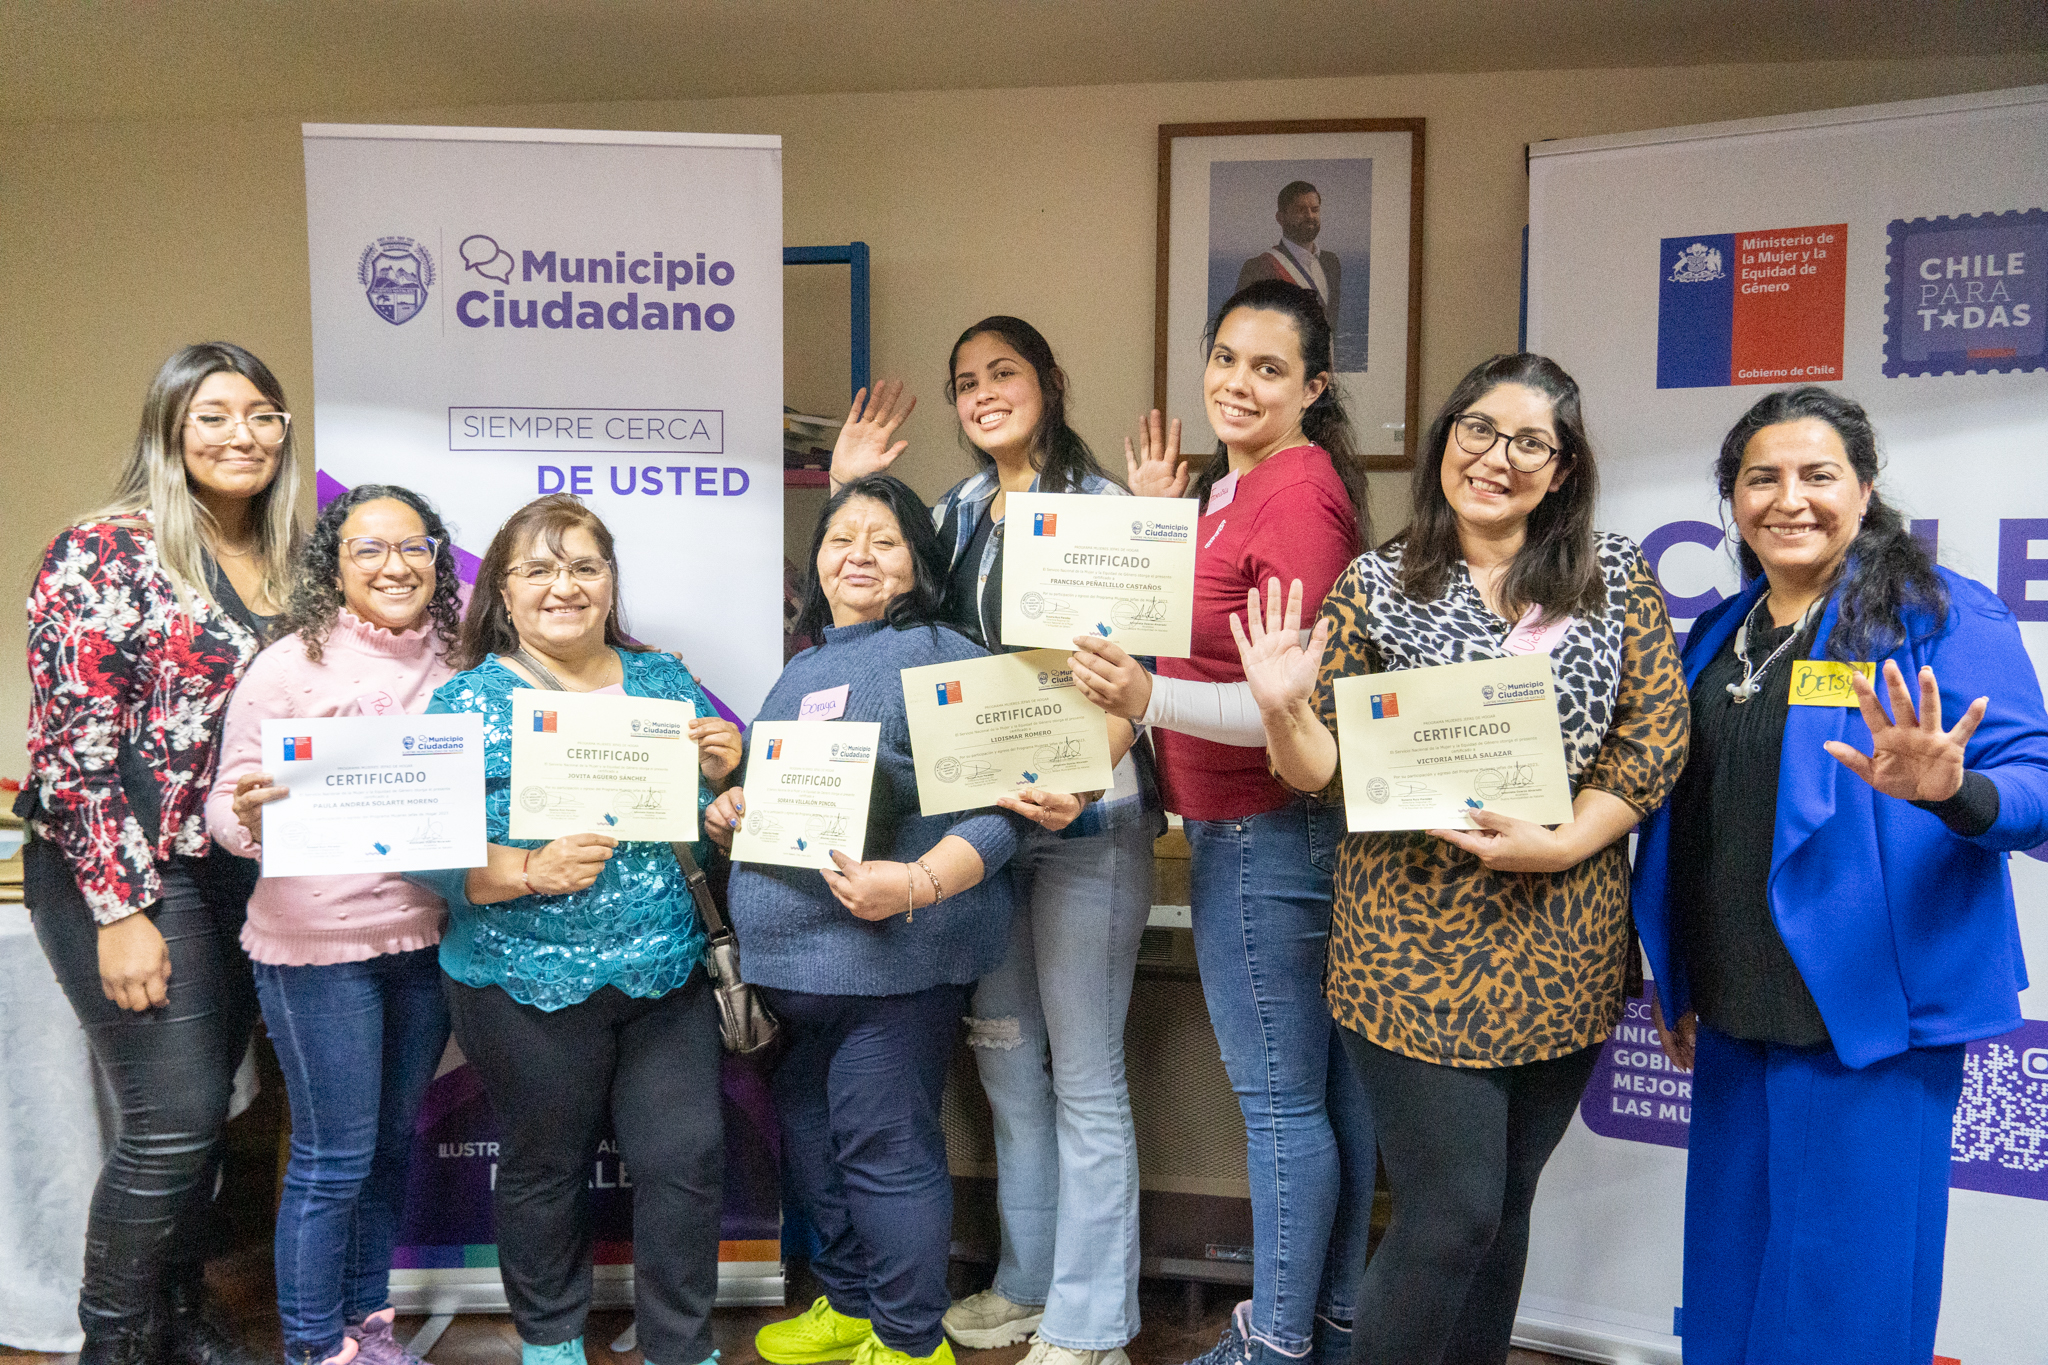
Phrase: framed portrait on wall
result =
(1333, 205)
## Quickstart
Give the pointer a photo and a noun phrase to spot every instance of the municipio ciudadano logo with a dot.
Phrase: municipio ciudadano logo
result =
(395, 273)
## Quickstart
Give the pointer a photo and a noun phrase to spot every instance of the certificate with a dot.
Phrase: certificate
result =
(982, 727)
(1079, 564)
(807, 791)
(1423, 747)
(374, 794)
(592, 763)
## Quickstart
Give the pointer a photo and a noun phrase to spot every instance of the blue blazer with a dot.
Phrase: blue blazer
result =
(1903, 930)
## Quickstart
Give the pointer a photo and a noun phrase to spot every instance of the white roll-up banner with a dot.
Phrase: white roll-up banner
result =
(500, 313)
(1897, 253)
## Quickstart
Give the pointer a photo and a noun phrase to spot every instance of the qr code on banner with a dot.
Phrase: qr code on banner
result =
(2000, 1141)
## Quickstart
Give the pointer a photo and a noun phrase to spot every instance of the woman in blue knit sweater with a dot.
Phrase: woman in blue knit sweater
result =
(869, 965)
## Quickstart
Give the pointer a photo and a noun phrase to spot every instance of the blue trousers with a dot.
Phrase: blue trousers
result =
(1816, 1204)
(358, 1043)
(863, 1152)
(1261, 889)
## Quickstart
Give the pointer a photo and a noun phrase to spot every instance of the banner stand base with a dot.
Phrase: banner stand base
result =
(1611, 1343)
(447, 1293)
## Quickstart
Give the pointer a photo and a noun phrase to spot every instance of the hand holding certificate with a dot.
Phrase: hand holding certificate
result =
(1120, 568)
(983, 727)
(373, 794)
(585, 763)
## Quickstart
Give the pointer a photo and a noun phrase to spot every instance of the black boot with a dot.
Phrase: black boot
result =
(137, 1344)
(193, 1331)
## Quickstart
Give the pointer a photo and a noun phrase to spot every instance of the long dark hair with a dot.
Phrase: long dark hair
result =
(1557, 567)
(1058, 453)
(1885, 570)
(918, 605)
(316, 594)
(1323, 421)
(487, 627)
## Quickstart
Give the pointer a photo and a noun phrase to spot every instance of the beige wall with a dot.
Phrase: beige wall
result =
(119, 242)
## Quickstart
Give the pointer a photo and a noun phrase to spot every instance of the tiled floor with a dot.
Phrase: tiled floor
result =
(243, 1282)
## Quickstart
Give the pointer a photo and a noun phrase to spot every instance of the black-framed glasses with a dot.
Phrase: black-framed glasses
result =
(267, 429)
(1476, 436)
(541, 573)
(369, 553)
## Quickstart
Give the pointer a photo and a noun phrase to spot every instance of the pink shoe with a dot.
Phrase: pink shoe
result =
(379, 1346)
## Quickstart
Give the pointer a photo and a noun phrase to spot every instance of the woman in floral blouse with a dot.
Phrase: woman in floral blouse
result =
(1474, 973)
(141, 621)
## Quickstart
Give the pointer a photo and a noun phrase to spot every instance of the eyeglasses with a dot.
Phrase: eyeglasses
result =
(369, 553)
(1477, 436)
(264, 428)
(540, 573)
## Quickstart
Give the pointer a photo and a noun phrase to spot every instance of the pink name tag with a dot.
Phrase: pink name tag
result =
(378, 704)
(1222, 491)
(829, 704)
(1534, 635)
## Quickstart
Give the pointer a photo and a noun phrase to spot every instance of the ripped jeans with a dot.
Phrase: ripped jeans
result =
(1048, 1035)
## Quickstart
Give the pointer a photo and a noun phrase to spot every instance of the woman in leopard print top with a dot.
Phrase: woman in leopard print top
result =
(1475, 972)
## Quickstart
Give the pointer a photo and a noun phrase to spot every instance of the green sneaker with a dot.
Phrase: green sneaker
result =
(874, 1352)
(818, 1333)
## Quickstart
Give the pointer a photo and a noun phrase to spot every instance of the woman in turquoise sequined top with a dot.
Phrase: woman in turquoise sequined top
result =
(573, 967)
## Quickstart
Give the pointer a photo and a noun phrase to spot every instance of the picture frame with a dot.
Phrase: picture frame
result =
(1221, 193)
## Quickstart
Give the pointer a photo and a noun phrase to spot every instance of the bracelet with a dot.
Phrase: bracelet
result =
(938, 891)
(909, 895)
(526, 880)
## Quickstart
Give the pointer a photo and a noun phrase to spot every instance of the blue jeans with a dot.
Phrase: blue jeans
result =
(358, 1043)
(1066, 1152)
(1261, 892)
(863, 1152)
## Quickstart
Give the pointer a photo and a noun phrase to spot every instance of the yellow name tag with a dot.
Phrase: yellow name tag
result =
(1825, 682)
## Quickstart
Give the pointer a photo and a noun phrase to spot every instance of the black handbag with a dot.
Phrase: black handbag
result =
(747, 1027)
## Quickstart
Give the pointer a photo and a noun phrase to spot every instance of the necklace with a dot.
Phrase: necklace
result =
(1753, 677)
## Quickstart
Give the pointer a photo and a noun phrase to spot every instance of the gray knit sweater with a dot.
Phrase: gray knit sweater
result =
(794, 934)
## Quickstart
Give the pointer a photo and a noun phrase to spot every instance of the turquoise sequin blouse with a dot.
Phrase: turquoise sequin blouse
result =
(634, 928)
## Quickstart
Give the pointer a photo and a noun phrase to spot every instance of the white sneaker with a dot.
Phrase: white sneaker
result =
(988, 1320)
(1043, 1352)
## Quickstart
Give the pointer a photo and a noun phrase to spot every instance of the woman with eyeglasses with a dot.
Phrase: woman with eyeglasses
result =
(346, 967)
(573, 967)
(142, 619)
(1474, 973)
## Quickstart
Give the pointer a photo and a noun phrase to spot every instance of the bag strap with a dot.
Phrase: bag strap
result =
(548, 681)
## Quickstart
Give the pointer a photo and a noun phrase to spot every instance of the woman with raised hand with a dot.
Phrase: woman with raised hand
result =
(1047, 1025)
(574, 968)
(869, 964)
(141, 621)
(347, 969)
(1283, 498)
(1473, 974)
(1826, 903)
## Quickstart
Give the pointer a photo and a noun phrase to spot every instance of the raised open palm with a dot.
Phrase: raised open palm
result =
(1911, 756)
(1156, 471)
(1281, 669)
(864, 445)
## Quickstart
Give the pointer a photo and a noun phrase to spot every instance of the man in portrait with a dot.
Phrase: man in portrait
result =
(1295, 257)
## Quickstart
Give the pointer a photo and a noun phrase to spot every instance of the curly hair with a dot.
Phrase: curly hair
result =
(316, 598)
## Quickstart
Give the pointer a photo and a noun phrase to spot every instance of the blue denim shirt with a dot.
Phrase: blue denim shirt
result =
(965, 501)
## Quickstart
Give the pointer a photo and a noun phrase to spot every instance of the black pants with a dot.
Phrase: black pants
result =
(1463, 1148)
(551, 1075)
(172, 1071)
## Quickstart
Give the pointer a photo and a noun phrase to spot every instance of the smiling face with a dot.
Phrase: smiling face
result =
(1798, 502)
(997, 395)
(864, 562)
(562, 617)
(393, 595)
(239, 469)
(1257, 386)
(1490, 496)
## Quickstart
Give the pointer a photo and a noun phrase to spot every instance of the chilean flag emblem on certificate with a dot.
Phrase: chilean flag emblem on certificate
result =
(544, 723)
(949, 693)
(1385, 704)
(298, 749)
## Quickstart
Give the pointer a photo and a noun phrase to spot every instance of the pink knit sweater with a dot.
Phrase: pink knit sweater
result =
(317, 921)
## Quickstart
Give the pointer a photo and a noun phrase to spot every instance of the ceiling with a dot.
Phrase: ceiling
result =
(177, 59)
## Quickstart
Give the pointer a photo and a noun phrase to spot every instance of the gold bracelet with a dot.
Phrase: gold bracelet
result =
(938, 891)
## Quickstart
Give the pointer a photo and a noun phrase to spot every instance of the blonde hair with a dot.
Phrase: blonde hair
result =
(155, 480)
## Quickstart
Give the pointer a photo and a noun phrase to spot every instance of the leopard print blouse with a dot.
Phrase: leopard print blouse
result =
(1431, 954)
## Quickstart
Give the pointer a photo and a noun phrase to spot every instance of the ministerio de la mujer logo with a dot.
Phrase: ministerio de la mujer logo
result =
(395, 273)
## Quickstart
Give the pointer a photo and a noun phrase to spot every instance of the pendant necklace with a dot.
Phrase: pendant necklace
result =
(1753, 677)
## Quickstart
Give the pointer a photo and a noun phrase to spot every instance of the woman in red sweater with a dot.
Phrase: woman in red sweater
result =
(1284, 497)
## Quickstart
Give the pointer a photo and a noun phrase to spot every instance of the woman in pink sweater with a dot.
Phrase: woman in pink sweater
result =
(346, 967)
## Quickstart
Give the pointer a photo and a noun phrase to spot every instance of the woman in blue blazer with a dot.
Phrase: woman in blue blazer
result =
(1827, 953)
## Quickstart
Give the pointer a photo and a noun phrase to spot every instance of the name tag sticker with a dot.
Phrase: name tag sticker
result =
(1223, 492)
(1825, 682)
(829, 704)
(378, 704)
